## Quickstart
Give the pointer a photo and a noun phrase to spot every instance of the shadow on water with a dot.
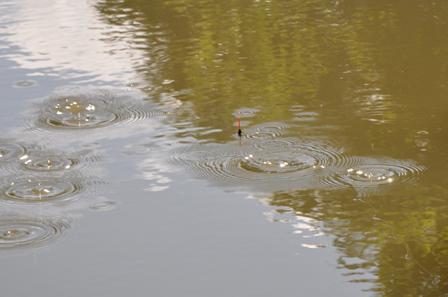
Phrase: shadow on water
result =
(342, 105)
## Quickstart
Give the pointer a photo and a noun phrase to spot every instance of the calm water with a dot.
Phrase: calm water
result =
(121, 169)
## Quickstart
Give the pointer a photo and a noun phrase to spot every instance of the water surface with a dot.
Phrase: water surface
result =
(121, 167)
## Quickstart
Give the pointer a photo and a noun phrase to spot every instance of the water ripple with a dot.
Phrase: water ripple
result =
(276, 164)
(10, 151)
(375, 106)
(15, 158)
(40, 189)
(88, 108)
(48, 162)
(28, 83)
(51, 161)
(103, 205)
(291, 164)
(18, 232)
(369, 172)
(245, 112)
(46, 188)
(265, 130)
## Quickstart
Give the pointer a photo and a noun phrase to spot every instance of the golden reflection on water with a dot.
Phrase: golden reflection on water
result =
(370, 76)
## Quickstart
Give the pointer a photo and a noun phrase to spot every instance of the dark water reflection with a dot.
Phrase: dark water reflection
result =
(369, 78)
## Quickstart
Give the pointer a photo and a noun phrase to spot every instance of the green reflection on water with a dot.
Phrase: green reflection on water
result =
(400, 238)
(368, 75)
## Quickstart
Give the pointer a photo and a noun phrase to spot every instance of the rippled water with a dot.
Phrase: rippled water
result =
(119, 130)
(278, 164)
(18, 231)
(294, 164)
(265, 130)
(87, 108)
(40, 189)
(48, 162)
(10, 151)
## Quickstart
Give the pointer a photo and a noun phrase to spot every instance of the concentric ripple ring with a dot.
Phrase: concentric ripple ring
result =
(369, 172)
(25, 232)
(38, 190)
(267, 130)
(78, 112)
(48, 162)
(10, 151)
(278, 163)
(88, 108)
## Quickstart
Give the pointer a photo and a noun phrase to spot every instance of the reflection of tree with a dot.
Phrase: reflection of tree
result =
(381, 61)
(234, 54)
(361, 60)
(402, 239)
